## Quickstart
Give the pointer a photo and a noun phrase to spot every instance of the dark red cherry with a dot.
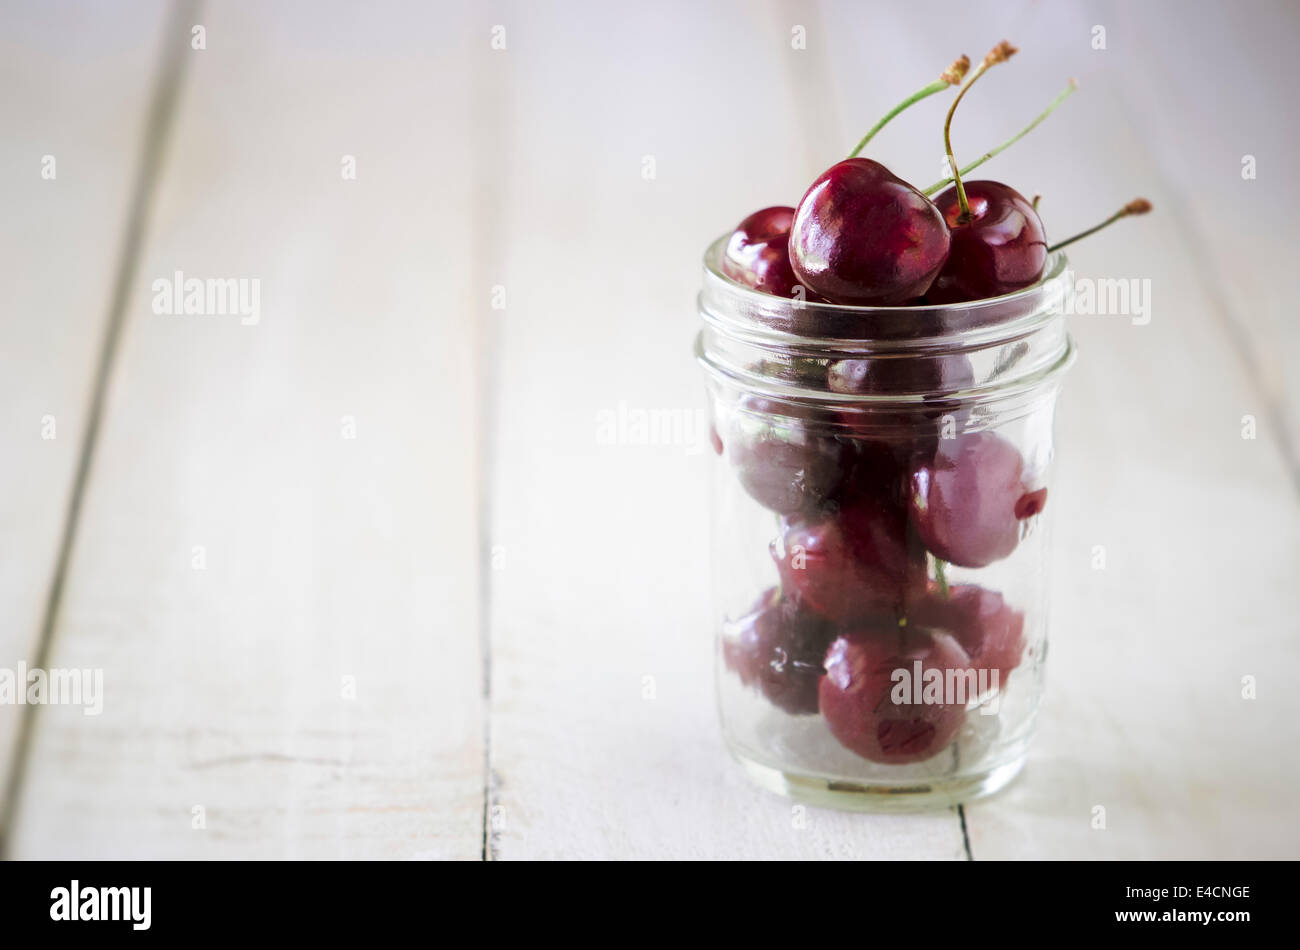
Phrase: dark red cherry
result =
(893, 376)
(999, 248)
(878, 471)
(931, 377)
(1031, 504)
(967, 503)
(989, 629)
(778, 648)
(861, 235)
(783, 458)
(758, 252)
(928, 376)
(849, 563)
(874, 713)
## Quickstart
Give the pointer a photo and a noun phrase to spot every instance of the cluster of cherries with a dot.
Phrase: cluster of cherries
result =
(862, 516)
(860, 519)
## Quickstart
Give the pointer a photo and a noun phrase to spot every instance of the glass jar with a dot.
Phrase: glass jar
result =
(880, 542)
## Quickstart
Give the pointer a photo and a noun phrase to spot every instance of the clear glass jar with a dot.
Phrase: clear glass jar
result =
(880, 517)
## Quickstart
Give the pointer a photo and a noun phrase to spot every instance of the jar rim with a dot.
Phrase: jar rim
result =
(1002, 392)
(767, 320)
(1013, 347)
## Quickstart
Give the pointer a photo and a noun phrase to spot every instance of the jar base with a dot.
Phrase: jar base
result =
(879, 796)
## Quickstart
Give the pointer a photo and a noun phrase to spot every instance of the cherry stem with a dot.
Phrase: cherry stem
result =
(944, 183)
(952, 76)
(1136, 206)
(1003, 51)
(941, 576)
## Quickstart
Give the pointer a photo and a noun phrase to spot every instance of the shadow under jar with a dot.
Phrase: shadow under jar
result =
(880, 547)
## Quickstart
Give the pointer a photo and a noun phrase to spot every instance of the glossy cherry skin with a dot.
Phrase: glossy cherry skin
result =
(778, 648)
(849, 563)
(1002, 246)
(967, 503)
(782, 457)
(930, 376)
(899, 376)
(758, 252)
(878, 472)
(857, 696)
(989, 629)
(861, 235)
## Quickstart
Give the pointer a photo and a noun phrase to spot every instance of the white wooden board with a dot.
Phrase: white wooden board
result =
(517, 256)
(604, 738)
(1198, 527)
(75, 85)
(318, 464)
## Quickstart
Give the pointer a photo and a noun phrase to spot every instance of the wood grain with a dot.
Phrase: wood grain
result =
(395, 480)
(1221, 138)
(1144, 714)
(277, 566)
(604, 740)
(74, 86)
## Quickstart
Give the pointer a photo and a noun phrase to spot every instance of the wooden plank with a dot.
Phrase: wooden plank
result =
(600, 598)
(76, 88)
(1200, 524)
(1144, 714)
(277, 565)
(1222, 136)
(328, 557)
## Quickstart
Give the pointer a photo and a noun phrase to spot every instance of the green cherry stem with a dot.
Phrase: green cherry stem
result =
(1000, 53)
(1136, 206)
(1065, 94)
(951, 76)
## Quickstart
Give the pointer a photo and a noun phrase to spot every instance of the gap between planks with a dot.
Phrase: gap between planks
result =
(492, 75)
(162, 111)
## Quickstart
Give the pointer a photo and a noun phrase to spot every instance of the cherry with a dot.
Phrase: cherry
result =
(791, 475)
(778, 648)
(929, 376)
(987, 627)
(758, 252)
(878, 471)
(857, 694)
(861, 235)
(997, 239)
(1031, 504)
(967, 503)
(783, 459)
(900, 375)
(998, 243)
(850, 563)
